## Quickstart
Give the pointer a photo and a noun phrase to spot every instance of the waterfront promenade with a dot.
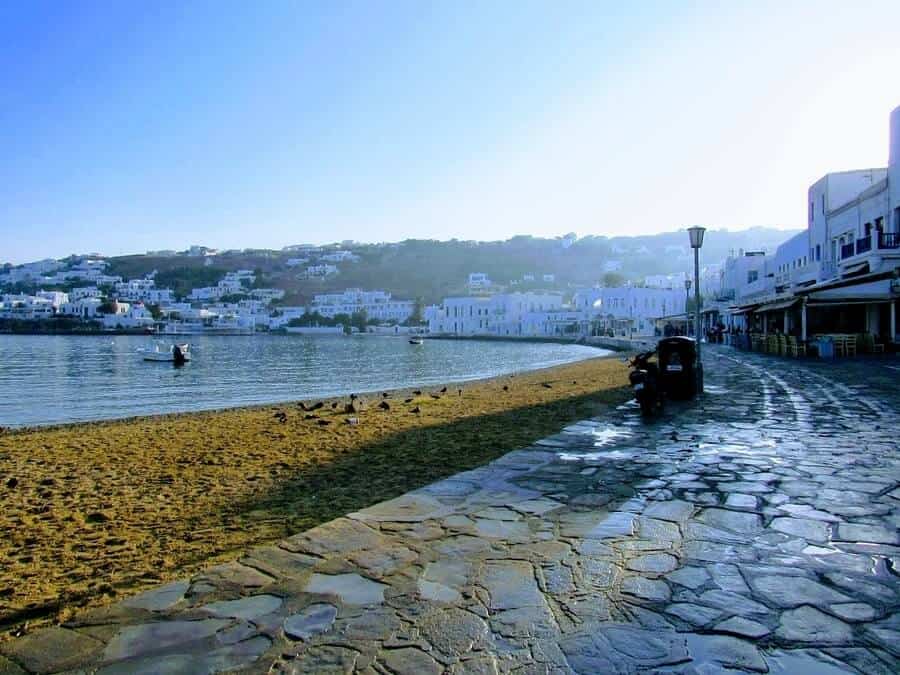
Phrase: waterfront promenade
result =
(754, 530)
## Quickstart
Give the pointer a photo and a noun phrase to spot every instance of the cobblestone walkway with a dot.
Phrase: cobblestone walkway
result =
(756, 530)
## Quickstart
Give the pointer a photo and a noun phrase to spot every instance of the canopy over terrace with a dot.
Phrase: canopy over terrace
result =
(864, 304)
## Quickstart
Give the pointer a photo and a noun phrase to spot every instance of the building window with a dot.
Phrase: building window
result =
(818, 252)
(752, 276)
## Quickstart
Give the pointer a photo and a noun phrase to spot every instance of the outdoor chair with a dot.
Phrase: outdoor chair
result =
(850, 345)
(782, 345)
(796, 347)
(840, 348)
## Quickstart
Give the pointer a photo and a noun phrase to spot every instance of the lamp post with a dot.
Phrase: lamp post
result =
(687, 298)
(696, 235)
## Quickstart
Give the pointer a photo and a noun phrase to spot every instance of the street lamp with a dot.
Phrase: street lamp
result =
(696, 235)
(687, 297)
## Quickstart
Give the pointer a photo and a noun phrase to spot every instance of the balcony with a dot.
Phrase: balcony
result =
(864, 244)
(848, 251)
(888, 240)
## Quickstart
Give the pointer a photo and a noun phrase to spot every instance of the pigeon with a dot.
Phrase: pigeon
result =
(460, 391)
(546, 385)
(323, 423)
(310, 417)
(334, 405)
(384, 405)
(303, 407)
(505, 387)
(418, 392)
(318, 405)
(444, 390)
(351, 408)
(409, 400)
(384, 394)
(435, 396)
(417, 409)
(353, 397)
(12, 482)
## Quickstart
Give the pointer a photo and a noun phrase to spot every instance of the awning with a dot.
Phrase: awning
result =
(873, 291)
(742, 310)
(859, 268)
(773, 306)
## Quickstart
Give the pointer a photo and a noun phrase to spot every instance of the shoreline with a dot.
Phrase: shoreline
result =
(99, 510)
(10, 428)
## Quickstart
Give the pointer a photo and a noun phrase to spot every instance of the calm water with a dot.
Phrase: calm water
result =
(53, 379)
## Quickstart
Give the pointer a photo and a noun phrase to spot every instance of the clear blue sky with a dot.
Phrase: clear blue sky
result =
(133, 125)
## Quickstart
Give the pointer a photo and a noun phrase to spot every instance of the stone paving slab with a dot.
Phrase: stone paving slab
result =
(753, 531)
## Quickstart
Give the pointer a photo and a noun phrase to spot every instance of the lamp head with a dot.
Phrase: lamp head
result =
(687, 284)
(696, 235)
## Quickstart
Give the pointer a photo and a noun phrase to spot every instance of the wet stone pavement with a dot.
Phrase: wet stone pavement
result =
(756, 530)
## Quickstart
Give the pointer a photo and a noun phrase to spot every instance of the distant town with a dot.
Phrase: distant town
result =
(838, 274)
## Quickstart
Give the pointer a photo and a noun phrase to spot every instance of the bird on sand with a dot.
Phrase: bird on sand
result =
(408, 400)
(435, 396)
(384, 405)
(323, 423)
(505, 387)
(418, 392)
(417, 409)
(444, 390)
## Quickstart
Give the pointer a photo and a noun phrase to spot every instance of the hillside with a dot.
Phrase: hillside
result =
(434, 269)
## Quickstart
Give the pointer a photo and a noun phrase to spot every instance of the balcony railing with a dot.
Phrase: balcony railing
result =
(888, 240)
(864, 244)
(848, 251)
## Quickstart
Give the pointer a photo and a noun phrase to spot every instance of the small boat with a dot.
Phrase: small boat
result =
(415, 340)
(171, 353)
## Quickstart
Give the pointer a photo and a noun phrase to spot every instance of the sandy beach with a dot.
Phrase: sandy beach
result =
(95, 511)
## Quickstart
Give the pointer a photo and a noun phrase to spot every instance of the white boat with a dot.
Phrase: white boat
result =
(163, 351)
(415, 340)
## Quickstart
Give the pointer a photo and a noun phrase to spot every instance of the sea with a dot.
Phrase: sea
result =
(54, 379)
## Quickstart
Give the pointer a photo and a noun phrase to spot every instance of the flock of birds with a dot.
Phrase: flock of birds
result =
(355, 406)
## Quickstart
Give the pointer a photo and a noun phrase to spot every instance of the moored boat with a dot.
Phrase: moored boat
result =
(171, 353)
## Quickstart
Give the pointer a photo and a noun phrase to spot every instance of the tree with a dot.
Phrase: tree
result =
(360, 320)
(613, 280)
(417, 318)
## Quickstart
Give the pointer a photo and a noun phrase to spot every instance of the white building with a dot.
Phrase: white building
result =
(340, 256)
(143, 290)
(83, 308)
(321, 271)
(56, 298)
(670, 281)
(85, 292)
(506, 314)
(479, 281)
(26, 307)
(377, 305)
(631, 311)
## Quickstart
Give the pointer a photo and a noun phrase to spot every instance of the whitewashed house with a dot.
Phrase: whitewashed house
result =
(378, 305)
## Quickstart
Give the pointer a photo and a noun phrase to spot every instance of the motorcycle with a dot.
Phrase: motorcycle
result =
(644, 378)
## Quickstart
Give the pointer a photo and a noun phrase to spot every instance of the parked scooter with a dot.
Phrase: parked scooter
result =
(644, 378)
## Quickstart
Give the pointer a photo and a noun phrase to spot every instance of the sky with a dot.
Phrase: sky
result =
(128, 126)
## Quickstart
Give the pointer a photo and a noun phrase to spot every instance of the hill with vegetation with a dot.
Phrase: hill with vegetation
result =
(431, 270)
